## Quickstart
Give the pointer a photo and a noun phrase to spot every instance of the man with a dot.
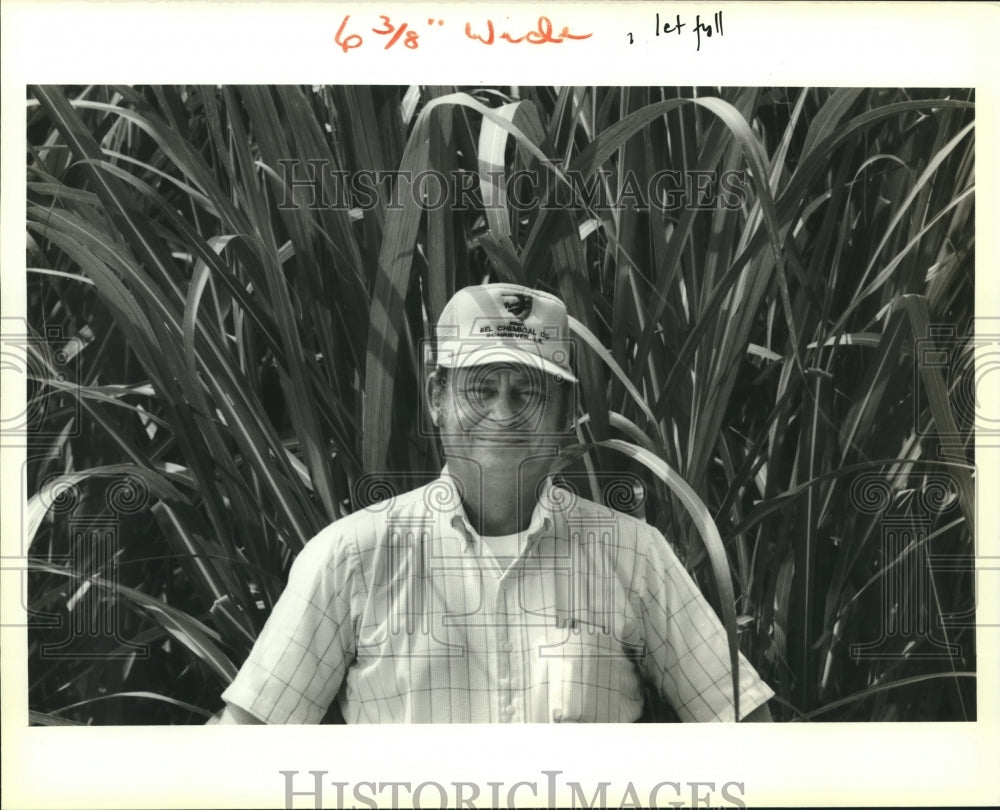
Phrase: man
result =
(491, 595)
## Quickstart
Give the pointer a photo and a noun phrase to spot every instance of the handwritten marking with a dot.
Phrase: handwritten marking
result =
(544, 33)
(411, 36)
(699, 27)
(346, 44)
(540, 35)
(667, 27)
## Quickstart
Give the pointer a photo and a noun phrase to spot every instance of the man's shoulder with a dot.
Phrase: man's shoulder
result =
(366, 526)
(631, 530)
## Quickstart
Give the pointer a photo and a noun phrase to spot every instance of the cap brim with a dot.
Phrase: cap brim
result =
(504, 354)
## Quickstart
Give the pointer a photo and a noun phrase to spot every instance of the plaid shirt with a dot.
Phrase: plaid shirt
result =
(404, 615)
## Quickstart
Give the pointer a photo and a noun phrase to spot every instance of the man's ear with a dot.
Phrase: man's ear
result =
(433, 391)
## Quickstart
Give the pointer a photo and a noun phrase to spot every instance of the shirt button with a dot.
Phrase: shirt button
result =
(508, 647)
(508, 710)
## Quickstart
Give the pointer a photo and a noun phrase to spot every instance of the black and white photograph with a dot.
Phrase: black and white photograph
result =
(368, 402)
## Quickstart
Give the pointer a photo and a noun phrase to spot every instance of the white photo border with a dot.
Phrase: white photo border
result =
(822, 44)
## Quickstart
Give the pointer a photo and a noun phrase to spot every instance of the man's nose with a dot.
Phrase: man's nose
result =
(506, 412)
(503, 411)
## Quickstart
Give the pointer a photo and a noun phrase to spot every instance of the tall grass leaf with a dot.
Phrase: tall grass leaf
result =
(591, 340)
(331, 226)
(40, 503)
(391, 286)
(208, 252)
(179, 151)
(119, 436)
(59, 273)
(108, 189)
(826, 122)
(72, 236)
(882, 372)
(903, 209)
(574, 287)
(190, 707)
(869, 339)
(907, 553)
(886, 272)
(778, 615)
(256, 439)
(816, 160)
(940, 406)
(295, 375)
(883, 687)
(107, 395)
(49, 719)
(216, 581)
(806, 548)
(189, 191)
(781, 153)
(743, 562)
(786, 498)
(190, 632)
(441, 254)
(199, 280)
(618, 422)
(219, 373)
(493, 179)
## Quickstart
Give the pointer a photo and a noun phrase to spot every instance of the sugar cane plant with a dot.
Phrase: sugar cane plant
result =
(229, 297)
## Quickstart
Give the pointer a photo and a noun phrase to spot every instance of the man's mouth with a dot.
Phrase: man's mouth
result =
(505, 439)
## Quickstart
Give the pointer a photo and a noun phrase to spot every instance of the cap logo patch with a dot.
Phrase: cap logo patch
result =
(518, 305)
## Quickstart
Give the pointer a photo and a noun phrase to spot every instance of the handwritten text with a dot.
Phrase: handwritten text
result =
(408, 33)
(676, 26)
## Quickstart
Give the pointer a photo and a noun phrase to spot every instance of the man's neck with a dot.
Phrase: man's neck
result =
(497, 501)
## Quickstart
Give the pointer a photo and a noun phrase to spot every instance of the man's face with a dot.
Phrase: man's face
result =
(501, 414)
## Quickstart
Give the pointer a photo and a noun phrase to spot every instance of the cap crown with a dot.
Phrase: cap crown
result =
(505, 323)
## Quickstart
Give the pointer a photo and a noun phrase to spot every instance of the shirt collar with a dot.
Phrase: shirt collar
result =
(450, 506)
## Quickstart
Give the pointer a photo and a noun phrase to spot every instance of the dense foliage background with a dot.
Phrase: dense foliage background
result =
(779, 378)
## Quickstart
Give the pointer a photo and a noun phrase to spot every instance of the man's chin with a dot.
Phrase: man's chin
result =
(487, 447)
(482, 448)
(502, 441)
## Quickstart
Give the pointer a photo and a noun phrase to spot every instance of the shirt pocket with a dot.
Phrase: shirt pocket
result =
(590, 679)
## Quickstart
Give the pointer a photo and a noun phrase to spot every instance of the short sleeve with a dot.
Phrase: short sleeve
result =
(687, 651)
(298, 662)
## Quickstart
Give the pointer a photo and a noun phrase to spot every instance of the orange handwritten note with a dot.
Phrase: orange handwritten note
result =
(540, 35)
(485, 32)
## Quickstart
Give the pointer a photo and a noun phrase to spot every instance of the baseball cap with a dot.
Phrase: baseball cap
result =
(505, 323)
